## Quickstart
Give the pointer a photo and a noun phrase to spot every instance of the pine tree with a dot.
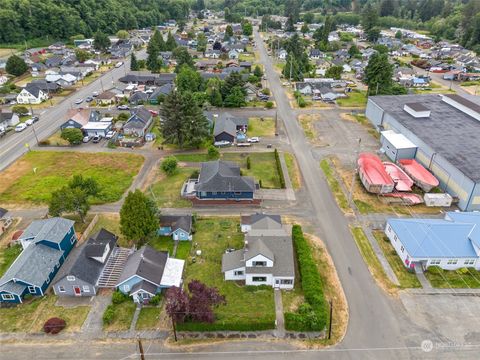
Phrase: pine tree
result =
(157, 39)
(195, 125)
(134, 63)
(138, 217)
(172, 130)
(378, 75)
(171, 44)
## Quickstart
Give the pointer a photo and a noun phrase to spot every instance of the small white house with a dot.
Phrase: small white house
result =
(31, 95)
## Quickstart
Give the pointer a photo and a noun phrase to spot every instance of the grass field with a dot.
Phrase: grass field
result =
(263, 166)
(123, 316)
(246, 308)
(407, 279)
(8, 256)
(111, 222)
(163, 243)
(355, 99)
(261, 128)
(166, 191)
(293, 170)
(457, 279)
(335, 186)
(33, 177)
(149, 318)
(56, 140)
(30, 316)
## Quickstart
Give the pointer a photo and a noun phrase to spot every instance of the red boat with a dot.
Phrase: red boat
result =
(373, 175)
(407, 198)
(402, 181)
(421, 176)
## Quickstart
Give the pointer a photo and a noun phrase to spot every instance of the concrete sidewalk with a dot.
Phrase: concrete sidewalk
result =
(280, 321)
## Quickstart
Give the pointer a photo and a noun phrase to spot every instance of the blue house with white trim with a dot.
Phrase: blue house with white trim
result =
(179, 227)
(450, 243)
(46, 244)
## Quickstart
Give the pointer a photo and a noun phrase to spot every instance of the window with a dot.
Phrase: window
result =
(31, 289)
(238, 272)
(48, 280)
(435, 262)
(452, 261)
(126, 287)
(286, 281)
(402, 248)
(72, 240)
(395, 237)
(259, 263)
(61, 289)
(469, 262)
(389, 228)
(259, 278)
(71, 278)
(86, 288)
(214, 193)
(8, 297)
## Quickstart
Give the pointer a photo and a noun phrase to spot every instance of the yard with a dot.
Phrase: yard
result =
(8, 256)
(30, 316)
(149, 318)
(293, 170)
(33, 177)
(111, 222)
(407, 279)
(56, 140)
(465, 278)
(261, 127)
(355, 98)
(263, 166)
(247, 308)
(166, 191)
(123, 316)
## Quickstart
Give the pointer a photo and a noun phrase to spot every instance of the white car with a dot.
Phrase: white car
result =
(86, 139)
(118, 64)
(95, 94)
(32, 120)
(110, 134)
(20, 127)
(222, 143)
(78, 101)
(254, 139)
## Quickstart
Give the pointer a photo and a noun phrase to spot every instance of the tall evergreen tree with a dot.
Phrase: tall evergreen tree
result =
(134, 63)
(138, 217)
(378, 75)
(101, 41)
(16, 66)
(171, 44)
(157, 39)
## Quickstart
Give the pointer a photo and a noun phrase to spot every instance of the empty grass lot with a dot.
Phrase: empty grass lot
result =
(458, 279)
(263, 166)
(8, 256)
(30, 316)
(166, 191)
(32, 178)
(261, 127)
(123, 316)
(407, 279)
(247, 308)
(355, 98)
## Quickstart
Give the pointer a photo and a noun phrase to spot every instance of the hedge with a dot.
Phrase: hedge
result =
(230, 326)
(279, 169)
(311, 316)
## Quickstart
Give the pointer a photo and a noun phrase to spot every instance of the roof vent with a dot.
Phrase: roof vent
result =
(417, 110)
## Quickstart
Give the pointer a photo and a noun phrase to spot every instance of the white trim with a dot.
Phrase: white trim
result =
(86, 288)
(142, 290)
(70, 278)
(30, 290)
(131, 277)
(10, 297)
(61, 288)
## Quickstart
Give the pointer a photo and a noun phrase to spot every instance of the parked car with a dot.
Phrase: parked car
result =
(118, 64)
(89, 98)
(95, 94)
(2, 131)
(20, 127)
(122, 107)
(110, 134)
(269, 146)
(78, 101)
(32, 120)
(222, 143)
(96, 139)
(254, 139)
(86, 139)
(153, 112)
(244, 144)
(315, 97)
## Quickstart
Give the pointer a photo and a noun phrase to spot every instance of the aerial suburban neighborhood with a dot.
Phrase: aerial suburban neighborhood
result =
(239, 178)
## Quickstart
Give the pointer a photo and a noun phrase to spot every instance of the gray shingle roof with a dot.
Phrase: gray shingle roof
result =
(263, 221)
(176, 222)
(223, 125)
(53, 229)
(258, 247)
(13, 288)
(223, 176)
(282, 249)
(146, 263)
(3, 212)
(145, 286)
(233, 260)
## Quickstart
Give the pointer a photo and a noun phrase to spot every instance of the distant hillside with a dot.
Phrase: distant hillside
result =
(60, 19)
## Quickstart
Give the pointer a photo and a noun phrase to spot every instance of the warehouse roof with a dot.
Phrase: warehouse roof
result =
(448, 131)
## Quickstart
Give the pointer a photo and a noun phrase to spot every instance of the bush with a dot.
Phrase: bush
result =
(108, 315)
(118, 297)
(20, 109)
(54, 325)
(213, 153)
(169, 165)
(462, 271)
(74, 136)
(311, 316)
(155, 300)
(279, 169)
(249, 163)
(301, 102)
(195, 174)
(269, 105)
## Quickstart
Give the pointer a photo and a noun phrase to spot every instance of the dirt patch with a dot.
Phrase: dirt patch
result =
(151, 177)
(14, 172)
(307, 122)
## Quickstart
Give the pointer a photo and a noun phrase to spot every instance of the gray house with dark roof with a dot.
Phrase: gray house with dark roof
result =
(138, 123)
(221, 180)
(147, 272)
(227, 126)
(80, 273)
(267, 256)
(46, 244)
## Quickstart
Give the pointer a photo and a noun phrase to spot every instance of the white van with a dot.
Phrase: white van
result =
(20, 127)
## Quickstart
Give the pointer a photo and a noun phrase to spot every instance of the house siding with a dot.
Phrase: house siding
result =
(224, 195)
(225, 137)
(16, 299)
(249, 263)
(70, 285)
(181, 235)
(268, 281)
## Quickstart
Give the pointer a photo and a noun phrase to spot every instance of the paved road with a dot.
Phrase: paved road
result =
(13, 146)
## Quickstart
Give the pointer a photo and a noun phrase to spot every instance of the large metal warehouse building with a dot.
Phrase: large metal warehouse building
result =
(446, 130)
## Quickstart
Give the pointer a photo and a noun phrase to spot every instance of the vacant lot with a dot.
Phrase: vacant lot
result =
(33, 178)
(166, 191)
(355, 98)
(306, 121)
(30, 316)
(261, 127)
(247, 308)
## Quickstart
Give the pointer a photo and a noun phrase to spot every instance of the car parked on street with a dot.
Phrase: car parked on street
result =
(96, 139)
(254, 139)
(110, 134)
(122, 107)
(153, 112)
(222, 143)
(118, 64)
(89, 98)
(20, 127)
(95, 94)
(86, 139)
(32, 120)
(78, 101)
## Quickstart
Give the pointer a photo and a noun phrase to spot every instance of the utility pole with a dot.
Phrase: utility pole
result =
(174, 329)
(291, 65)
(140, 346)
(330, 322)
(376, 93)
(276, 122)
(34, 132)
(354, 172)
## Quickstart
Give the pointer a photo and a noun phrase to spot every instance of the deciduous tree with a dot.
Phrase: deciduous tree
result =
(16, 66)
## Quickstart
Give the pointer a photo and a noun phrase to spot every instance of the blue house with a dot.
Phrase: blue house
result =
(46, 244)
(178, 227)
(221, 180)
(147, 272)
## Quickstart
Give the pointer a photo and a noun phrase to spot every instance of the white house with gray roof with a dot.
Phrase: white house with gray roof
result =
(267, 255)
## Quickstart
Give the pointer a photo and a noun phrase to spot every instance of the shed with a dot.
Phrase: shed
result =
(397, 146)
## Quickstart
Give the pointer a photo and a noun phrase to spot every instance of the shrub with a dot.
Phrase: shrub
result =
(301, 102)
(108, 315)
(195, 174)
(249, 164)
(279, 169)
(54, 325)
(269, 105)
(118, 297)
(27, 297)
(73, 135)
(260, 183)
(169, 165)
(213, 153)
(155, 300)
(20, 109)
(462, 271)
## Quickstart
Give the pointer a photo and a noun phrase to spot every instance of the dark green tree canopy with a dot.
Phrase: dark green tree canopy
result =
(16, 66)
(138, 217)
(101, 41)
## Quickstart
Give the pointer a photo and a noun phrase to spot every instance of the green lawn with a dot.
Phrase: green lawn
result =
(111, 222)
(56, 140)
(261, 127)
(355, 98)
(8, 256)
(123, 316)
(407, 279)
(293, 170)
(247, 308)
(371, 258)
(183, 249)
(149, 318)
(30, 316)
(457, 279)
(166, 191)
(163, 243)
(33, 177)
(335, 186)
